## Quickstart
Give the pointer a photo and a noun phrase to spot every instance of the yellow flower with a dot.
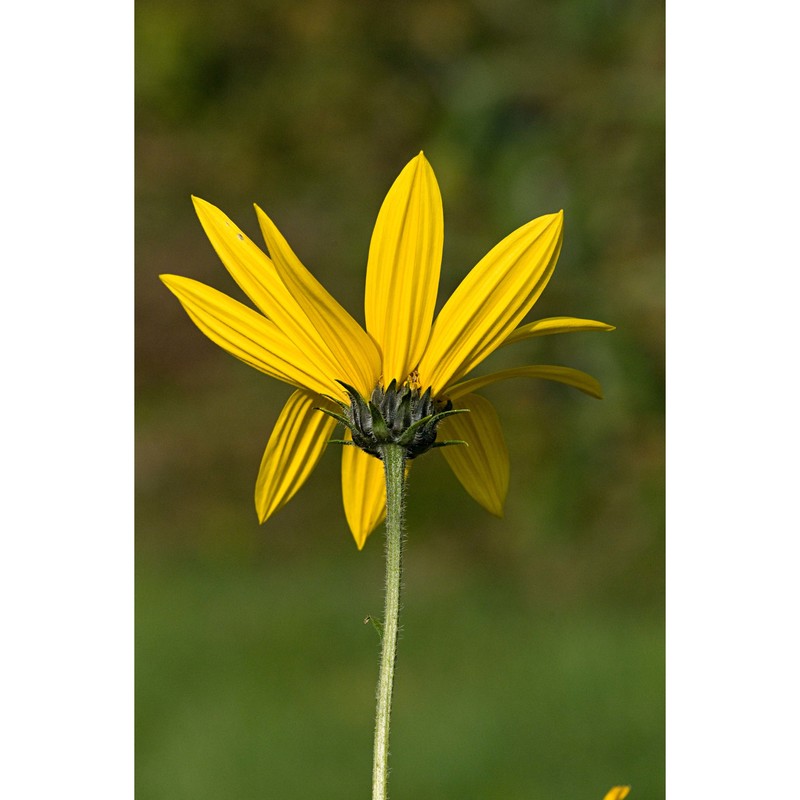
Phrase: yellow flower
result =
(618, 793)
(306, 339)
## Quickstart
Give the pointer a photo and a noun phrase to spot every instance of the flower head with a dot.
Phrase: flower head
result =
(303, 337)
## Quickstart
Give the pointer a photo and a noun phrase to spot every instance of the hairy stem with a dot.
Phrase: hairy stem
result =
(394, 465)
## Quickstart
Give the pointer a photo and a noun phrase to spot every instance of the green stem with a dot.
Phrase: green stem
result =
(394, 466)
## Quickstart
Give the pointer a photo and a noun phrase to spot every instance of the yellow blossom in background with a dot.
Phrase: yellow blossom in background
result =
(302, 336)
(618, 793)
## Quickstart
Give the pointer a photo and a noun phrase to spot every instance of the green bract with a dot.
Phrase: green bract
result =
(393, 416)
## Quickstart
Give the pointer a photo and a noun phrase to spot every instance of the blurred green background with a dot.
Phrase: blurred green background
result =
(531, 663)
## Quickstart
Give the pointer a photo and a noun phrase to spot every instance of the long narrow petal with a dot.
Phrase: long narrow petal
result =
(295, 447)
(405, 258)
(491, 301)
(256, 275)
(551, 325)
(350, 344)
(618, 793)
(248, 335)
(482, 465)
(363, 492)
(572, 377)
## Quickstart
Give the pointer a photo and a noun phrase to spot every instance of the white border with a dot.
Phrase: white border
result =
(732, 217)
(66, 564)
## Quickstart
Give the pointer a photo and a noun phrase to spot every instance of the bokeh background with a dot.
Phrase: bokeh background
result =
(532, 657)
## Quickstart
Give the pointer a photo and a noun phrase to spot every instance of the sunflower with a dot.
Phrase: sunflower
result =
(302, 336)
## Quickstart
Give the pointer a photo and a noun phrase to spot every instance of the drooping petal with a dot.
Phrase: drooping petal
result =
(618, 793)
(551, 325)
(405, 258)
(572, 377)
(248, 335)
(482, 464)
(350, 345)
(256, 275)
(363, 492)
(491, 301)
(295, 447)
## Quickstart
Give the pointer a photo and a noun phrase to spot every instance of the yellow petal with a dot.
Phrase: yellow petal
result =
(618, 793)
(551, 325)
(256, 275)
(491, 301)
(405, 258)
(247, 335)
(295, 447)
(350, 345)
(572, 377)
(482, 464)
(363, 492)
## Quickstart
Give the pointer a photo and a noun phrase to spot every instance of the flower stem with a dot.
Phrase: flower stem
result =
(394, 466)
